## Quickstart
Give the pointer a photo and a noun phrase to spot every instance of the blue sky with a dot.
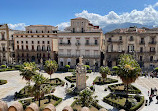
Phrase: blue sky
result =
(54, 12)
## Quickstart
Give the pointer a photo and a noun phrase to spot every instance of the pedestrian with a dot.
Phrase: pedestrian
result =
(150, 99)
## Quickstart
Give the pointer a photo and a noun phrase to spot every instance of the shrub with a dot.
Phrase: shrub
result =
(71, 70)
(91, 88)
(3, 82)
(3, 66)
(72, 85)
(137, 97)
(67, 66)
(89, 71)
(87, 67)
(17, 67)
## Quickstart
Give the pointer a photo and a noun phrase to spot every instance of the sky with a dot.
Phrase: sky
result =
(20, 13)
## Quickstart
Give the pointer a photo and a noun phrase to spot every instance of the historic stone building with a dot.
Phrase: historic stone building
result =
(38, 43)
(80, 39)
(7, 55)
(140, 42)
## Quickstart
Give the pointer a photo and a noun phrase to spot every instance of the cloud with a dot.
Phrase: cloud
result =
(148, 16)
(19, 26)
(63, 25)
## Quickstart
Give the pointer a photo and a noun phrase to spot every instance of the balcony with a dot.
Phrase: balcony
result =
(115, 51)
(77, 44)
(142, 43)
(115, 41)
(91, 44)
(64, 44)
(152, 42)
(77, 56)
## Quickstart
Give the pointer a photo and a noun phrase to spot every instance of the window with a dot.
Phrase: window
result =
(21, 35)
(152, 49)
(47, 42)
(87, 52)
(151, 58)
(37, 35)
(120, 38)
(87, 63)
(42, 35)
(18, 47)
(27, 47)
(82, 30)
(48, 48)
(61, 63)
(61, 41)
(96, 42)
(17, 42)
(38, 42)
(26, 36)
(21, 42)
(38, 48)
(3, 38)
(131, 48)
(141, 58)
(87, 42)
(73, 30)
(22, 55)
(131, 38)
(22, 47)
(31, 35)
(47, 35)
(36, 31)
(142, 41)
(109, 39)
(141, 49)
(48, 31)
(43, 42)
(32, 47)
(26, 42)
(43, 48)
(110, 48)
(69, 63)
(42, 31)
(32, 42)
(68, 41)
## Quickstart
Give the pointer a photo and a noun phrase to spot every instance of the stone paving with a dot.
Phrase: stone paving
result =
(15, 83)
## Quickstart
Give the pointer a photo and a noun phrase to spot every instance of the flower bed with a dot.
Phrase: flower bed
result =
(120, 88)
(3, 82)
(44, 101)
(118, 101)
(72, 79)
(77, 107)
(55, 82)
(99, 81)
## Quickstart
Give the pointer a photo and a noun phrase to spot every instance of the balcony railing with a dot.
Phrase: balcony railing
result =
(64, 43)
(115, 51)
(91, 44)
(76, 56)
(141, 42)
(115, 41)
(152, 42)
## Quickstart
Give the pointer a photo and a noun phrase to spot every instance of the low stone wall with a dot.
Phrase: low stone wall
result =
(16, 106)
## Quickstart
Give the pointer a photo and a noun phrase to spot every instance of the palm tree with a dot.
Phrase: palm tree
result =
(39, 88)
(28, 70)
(50, 67)
(86, 98)
(128, 70)
(104, 72)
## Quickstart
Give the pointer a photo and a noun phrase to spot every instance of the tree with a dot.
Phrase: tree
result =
(28, 70)
(39, 88)
(104, 72)
(128, 70)
(50, 67)
(86, 99)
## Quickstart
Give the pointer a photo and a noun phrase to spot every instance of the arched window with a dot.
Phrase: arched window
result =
(48, 31)
(3, 38)
(38, 48)
(48, 48)
(43, 48)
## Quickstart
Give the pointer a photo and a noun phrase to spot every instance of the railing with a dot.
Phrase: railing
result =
(64, 43)
(76, 56)
(115, 41)
(115, 51)
(91, 44)
(142, 43)
(152, 42)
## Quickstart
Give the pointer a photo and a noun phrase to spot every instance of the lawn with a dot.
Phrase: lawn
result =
(55, 82)
(3, 82)
(100, 81)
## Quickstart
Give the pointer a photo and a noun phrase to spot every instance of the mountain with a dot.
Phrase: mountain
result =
(111, 27)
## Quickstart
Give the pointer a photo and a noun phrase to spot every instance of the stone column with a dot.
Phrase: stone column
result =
(80, 75)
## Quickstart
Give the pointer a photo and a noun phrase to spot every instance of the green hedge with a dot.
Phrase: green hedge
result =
(71, 70)
(107, 81)
(119, 106)
(7, 69)
(89, 71)
(3, 66)
(69, 78)
(56, 84)
(3, 82)
(135, 91)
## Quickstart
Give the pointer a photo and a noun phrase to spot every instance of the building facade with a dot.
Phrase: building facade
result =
(140, 42)
(7, 55)
(37, 44)
(80, 39)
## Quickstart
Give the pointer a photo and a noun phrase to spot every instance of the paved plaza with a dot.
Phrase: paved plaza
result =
(15, 83)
